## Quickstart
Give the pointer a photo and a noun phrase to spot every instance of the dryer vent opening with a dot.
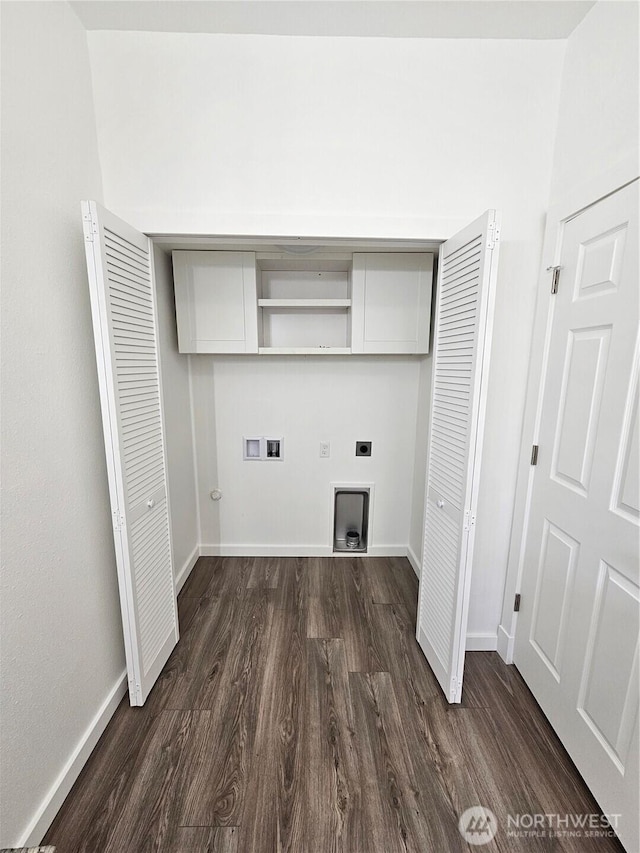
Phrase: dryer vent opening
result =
(351, 519)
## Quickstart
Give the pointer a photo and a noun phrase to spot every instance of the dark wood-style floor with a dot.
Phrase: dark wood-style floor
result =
(298, 714)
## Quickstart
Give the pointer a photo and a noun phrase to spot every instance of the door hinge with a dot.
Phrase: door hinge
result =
(493, 235)
(118, 520)
(516, 603)
(469, 520)
(534, 454)
(555, 278)
(89, 227)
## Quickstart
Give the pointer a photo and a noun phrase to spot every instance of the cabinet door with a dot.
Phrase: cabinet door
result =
(216, 301)
(391, 302)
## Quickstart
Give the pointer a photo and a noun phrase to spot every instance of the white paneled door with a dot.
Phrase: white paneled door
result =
(125, 329)
(577, 638)
(463, 323)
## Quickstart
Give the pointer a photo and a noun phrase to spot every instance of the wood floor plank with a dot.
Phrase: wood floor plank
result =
(291, 731)
(188, 609)
(130, 806)
(333, 791)
(392, 815)
(292, 592)
(234, 575)
(489, 681)
(418, 693)
(213, 576)
(378, 572)
(404, 583)
(323, 615)
(149, 816)
(201, 577)
(356, 623)
(218, 756)
(273, 817)
(190, 678)
(265, 573)
(203, 839)
(400, 655)
(464, 764)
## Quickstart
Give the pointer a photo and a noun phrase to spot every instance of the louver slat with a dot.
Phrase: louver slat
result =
(466, 274)
(123, 305)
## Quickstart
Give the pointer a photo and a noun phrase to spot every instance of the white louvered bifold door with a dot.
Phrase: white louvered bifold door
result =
(462, 339)
(125, 329)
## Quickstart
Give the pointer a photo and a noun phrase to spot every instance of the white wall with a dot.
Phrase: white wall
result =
(62, 649)
(285, 506)
(325, 136)
(599, 104)
(177, 422)
(346, 137)
(416, 530)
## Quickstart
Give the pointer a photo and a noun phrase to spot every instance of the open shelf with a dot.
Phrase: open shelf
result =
(304, 303)
(304, 307)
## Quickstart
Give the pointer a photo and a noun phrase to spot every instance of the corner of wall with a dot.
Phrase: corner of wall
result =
(79, 756)
(600, 78)
(415, 562)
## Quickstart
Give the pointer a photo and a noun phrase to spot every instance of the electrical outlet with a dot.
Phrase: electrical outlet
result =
(325, 449)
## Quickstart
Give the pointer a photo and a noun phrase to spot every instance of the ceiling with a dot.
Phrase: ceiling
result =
(489, 19)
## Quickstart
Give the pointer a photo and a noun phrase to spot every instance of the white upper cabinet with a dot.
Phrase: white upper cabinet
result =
(391, 302)
(216, 301)
(328, 304)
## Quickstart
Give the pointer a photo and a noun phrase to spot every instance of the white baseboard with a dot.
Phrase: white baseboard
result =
(56, 795)
(506, 643)
(415, 562)
(482, 642)
(265, 551)
(297, 551)
(185, 571)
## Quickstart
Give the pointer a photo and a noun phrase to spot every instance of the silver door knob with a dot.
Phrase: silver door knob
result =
(440, 503)
(151, 503)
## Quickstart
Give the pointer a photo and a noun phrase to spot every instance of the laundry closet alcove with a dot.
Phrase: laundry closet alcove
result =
(365, 307)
